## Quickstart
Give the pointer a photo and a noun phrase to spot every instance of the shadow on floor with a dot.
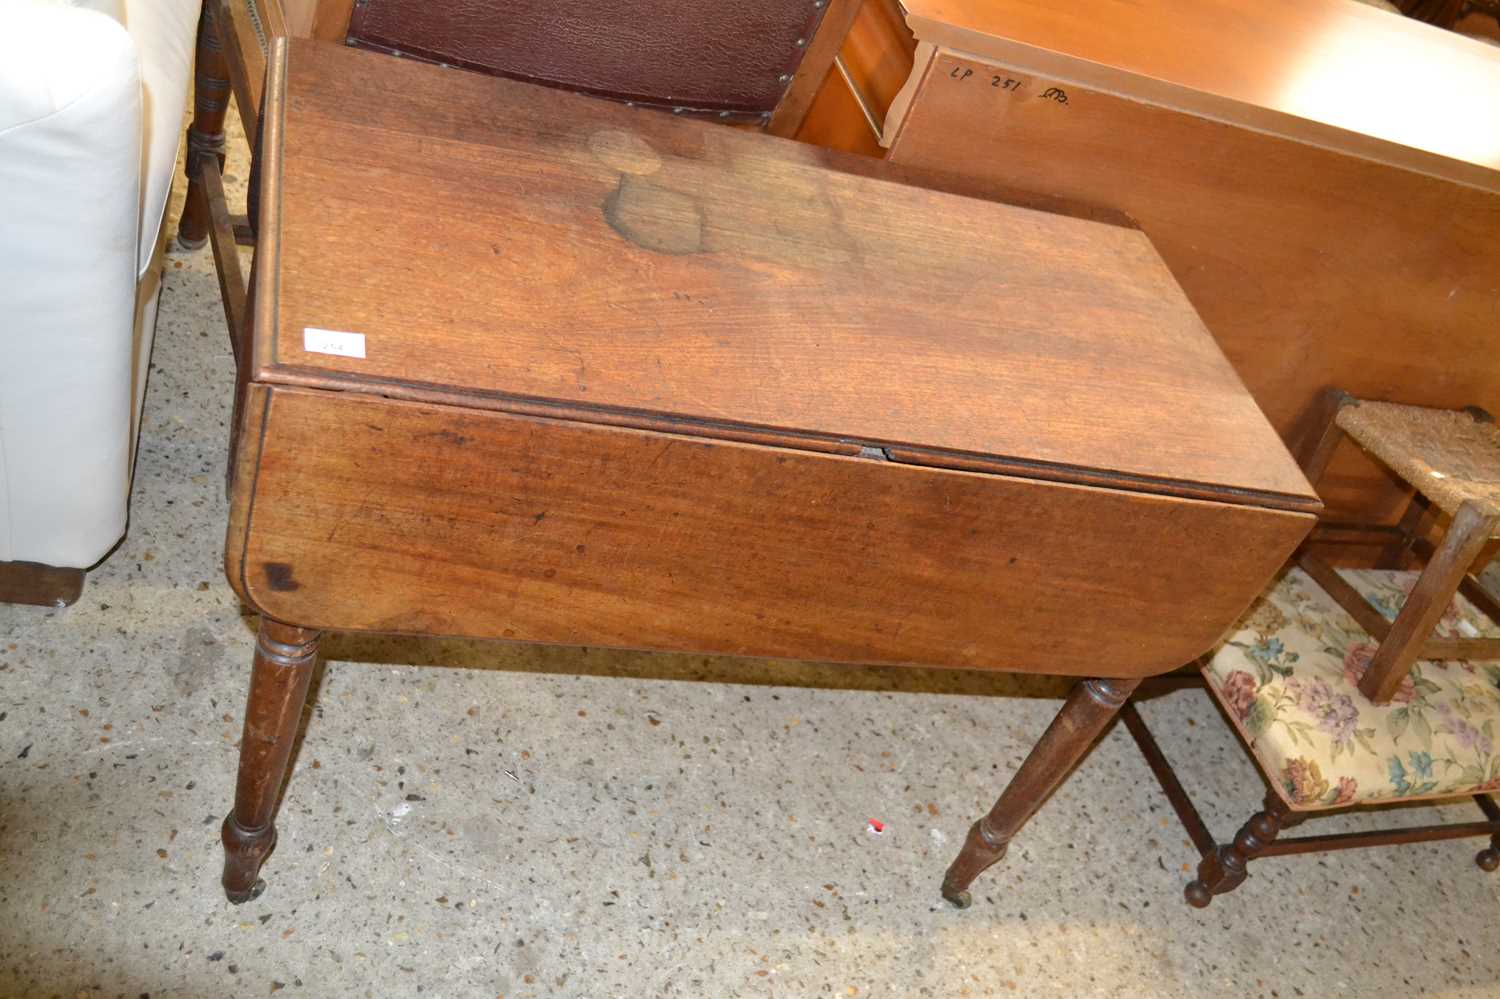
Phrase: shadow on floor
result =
(627, 664)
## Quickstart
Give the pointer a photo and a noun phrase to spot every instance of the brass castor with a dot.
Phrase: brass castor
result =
(241, 897)
(245, 850)
(958, 899)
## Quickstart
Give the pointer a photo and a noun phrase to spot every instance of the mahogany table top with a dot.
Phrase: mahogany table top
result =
(627, 267)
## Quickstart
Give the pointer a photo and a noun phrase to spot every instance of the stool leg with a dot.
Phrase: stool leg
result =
(1394, 554)
(1328, 442)
(1429, 598)
(1225, 869)
(284, 660)
(205, 135)
(1090, 707)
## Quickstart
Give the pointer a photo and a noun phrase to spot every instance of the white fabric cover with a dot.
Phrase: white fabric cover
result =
(91, 101)
(164, 32)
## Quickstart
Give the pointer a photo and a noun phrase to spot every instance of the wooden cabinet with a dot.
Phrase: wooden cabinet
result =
(1322, 178)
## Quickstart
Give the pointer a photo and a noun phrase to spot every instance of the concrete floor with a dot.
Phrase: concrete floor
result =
(488, 820)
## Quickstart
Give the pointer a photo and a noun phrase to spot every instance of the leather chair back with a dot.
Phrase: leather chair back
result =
(728, 60)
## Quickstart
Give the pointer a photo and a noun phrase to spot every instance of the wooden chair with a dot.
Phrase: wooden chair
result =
(1356, 688)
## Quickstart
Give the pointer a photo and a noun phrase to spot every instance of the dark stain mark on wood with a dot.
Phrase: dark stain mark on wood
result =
(655, 218)
(279, 576)
(459, 440)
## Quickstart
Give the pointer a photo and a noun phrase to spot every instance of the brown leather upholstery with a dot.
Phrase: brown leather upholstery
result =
(699, 55)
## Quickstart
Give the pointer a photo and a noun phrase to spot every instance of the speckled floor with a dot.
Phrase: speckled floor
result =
(492, 820)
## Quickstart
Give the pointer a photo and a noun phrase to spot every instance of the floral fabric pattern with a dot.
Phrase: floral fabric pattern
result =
(1289, 678)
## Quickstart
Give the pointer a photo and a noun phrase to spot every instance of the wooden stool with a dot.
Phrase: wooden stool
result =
(1451, 459)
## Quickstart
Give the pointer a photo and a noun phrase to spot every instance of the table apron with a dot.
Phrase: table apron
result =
(360, 513)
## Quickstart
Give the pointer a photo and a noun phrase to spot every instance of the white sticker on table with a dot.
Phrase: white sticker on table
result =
(316, 341)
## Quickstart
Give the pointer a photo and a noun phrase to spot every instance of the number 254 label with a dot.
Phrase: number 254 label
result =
(340, 344)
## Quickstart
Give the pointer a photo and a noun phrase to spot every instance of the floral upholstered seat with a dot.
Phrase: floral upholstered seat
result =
(1288, 679)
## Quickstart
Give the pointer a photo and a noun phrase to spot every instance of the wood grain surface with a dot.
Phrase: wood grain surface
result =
(816, 64)
(836, 121)
(362, 513)
(244, 54)
(508, 244)
(874, 62)
(1313, 269)
(1345, 75)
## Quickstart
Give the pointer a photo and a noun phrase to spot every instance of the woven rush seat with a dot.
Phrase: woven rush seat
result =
(1448, 455)
(1288, 679)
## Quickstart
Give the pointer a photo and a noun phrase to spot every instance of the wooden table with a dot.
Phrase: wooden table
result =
(1322, 177)
(532, 366)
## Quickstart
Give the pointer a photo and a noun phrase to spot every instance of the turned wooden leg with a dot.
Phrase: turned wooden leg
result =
(1470, 530)
(1089, 708)
(284, 659)
(1224, 870)
(205, 135)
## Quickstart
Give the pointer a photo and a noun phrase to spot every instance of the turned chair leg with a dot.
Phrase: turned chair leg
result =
(284, 660)
(1224, 870)
(1090, 707)
(205, 135)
